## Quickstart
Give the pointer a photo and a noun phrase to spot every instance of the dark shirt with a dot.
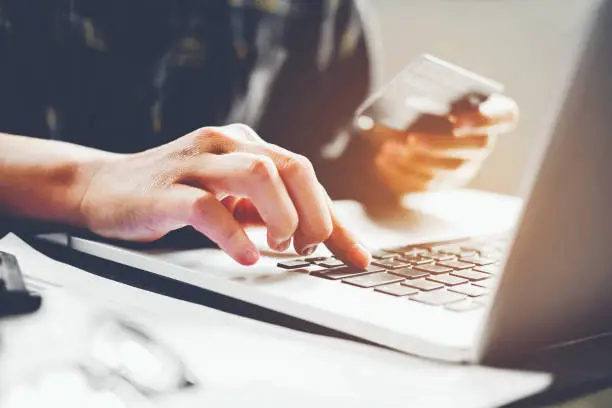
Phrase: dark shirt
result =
(126, 75)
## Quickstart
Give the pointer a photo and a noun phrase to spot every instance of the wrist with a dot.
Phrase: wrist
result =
(46, 180)
(83, 173)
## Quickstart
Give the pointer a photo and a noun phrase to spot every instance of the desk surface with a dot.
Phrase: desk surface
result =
(445, 212)
(237, 361)
(591, 395)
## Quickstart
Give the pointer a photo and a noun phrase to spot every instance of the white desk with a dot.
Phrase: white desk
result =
(243, 361)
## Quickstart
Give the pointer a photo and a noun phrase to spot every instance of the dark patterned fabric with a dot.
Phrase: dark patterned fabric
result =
(126, 75)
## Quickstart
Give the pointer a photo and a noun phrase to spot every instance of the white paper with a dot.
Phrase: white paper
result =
(241, 361)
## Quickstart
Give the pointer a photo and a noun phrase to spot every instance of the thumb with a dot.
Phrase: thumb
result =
(201, 210)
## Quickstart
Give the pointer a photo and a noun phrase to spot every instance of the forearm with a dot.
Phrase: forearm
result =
(44, 180)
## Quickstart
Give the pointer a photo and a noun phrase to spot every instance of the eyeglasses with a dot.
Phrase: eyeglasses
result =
(123, 366)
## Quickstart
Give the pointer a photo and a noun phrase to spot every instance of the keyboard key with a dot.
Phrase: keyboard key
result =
(396, 250)
(345, 272)
(477, 260)
(417, 259)
(476, 245)
(490, 269)
(464, 306)
(317, 259)
(470, 290)
(383, 255)
(437, 298)
(407, 250)
(390, 263)
(422, 284)
(309, 269)
(471, 247)
(316, 268)
(456, 252)
(448, 280)
(331, 263)
(489, 283)
(409, 273)
(488, 250)
(471, 275)
(439, 256)
(375, 279)
(436, 269)
(415, 251)
(446, 248)
(396, 290)
(456, 264)
(295, 264)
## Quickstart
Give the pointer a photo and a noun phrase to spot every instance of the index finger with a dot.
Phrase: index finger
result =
(346, 248)
(343, 244)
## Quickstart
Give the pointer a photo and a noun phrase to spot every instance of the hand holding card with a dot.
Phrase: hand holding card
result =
(433, 125)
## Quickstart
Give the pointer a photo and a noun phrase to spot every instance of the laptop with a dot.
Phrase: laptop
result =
(478, 299)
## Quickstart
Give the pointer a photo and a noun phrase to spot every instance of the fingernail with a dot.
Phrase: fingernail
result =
(284, 245)
(249, 257)
(360, 255)
(281, 246)
(309, 250)
(494, 106)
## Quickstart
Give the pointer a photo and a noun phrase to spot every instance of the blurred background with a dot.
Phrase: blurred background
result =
(528, 45)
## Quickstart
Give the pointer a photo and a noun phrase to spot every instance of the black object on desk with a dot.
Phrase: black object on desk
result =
(15, 299)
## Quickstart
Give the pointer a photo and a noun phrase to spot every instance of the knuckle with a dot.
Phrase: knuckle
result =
(297, 165)
(246, 129)
(202, 204)
(262, 168)
(241, 133)
(211, 140)
(204, 134)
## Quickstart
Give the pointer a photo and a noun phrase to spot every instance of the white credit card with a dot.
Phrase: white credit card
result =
(427, 85)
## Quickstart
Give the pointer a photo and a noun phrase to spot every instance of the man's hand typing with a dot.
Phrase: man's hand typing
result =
(217, 180)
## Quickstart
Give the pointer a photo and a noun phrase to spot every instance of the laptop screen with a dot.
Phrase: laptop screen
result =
(557, 282)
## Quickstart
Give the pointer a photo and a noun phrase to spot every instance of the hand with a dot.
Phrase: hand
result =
(413, 162)
(218, 180)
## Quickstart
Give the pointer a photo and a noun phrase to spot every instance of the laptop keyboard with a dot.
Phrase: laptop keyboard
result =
(457, 275)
